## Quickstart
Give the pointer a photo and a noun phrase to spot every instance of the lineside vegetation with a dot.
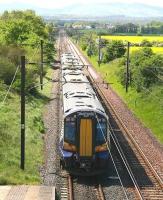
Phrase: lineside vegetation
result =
(145, 93)
(20, 34)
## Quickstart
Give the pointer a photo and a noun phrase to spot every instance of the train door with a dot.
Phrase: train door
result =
(86, 137)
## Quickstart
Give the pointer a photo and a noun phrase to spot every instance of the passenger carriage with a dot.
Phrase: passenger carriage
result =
(84, 139)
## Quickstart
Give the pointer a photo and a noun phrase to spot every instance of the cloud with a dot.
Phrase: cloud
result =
(50, 4)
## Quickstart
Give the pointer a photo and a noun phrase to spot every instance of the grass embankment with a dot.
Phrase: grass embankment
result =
(10, 172)
(147, 106)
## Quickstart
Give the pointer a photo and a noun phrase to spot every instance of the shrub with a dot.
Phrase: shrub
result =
(146, 43)
(145, 68)
(114, 49)
(7, 70)
(31, 81)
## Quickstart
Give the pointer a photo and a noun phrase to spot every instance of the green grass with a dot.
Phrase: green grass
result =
(147, 106)
(10, 172)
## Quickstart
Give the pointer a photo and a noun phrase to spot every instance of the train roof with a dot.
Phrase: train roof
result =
(70, 66)
(78, 94)
(68, 57)
(81, 101)
(75, 78)
(72, 72)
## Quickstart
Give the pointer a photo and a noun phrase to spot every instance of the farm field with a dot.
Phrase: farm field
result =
(158, 50)
(134, 39)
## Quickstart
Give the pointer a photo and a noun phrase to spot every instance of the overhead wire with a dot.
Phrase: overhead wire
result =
(111, 157)
(2, 103)
(148, 91)
(161, 79)
(36, 51)
(109, 149)
(38, 85)
(123, 157)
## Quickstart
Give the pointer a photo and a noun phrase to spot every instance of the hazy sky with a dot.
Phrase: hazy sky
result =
(61, 3)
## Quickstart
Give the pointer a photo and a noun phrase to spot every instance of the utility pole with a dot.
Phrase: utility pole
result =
(127, 66)
(76, 36)
(22, 162)
(41, 66)
(90, 44)
(99, 50)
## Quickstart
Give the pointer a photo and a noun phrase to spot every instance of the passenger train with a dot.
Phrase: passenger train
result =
(84, 139)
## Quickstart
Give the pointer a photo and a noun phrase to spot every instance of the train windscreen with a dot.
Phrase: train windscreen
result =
(101, 133)
(70, 129)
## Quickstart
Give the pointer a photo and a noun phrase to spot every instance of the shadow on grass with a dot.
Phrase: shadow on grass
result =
(37, 96)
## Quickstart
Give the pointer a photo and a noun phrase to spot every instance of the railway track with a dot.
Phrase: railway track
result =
(99, 192)
(66, 190)
(147, 184)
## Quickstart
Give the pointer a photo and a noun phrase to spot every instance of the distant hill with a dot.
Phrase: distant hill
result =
(100, 10)
(107, 9)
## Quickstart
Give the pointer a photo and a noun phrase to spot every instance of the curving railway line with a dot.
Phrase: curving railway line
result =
(144, 181)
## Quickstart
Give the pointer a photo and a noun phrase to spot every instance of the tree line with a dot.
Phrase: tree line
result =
(146, 67)
(20, 34)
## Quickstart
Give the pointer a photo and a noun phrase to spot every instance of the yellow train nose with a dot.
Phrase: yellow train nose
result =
(85, 148)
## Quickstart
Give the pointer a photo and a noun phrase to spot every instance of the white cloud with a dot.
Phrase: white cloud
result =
(38, 3)
(62, 3)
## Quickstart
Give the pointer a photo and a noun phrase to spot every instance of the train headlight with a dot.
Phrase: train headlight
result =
(102, 147)
(70, 119)
(69, 147)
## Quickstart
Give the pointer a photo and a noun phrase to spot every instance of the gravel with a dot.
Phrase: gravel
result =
(50, 170)
(84, 188)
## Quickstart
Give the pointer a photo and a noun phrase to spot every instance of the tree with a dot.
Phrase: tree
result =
(114, 49)
(18, 26)
(145, 68)
(20, 34)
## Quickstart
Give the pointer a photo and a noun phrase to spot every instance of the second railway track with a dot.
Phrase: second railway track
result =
(148, 184)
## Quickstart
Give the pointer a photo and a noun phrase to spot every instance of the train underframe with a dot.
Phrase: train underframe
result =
(86, 166)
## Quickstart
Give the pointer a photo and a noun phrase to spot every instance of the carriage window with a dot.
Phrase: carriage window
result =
(70, 131)
(101, 133)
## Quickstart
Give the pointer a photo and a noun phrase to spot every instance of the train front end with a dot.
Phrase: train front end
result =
(85, 142)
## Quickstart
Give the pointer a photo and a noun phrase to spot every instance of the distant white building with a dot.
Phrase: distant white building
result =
(77, 26)
(109, 26)
(88, 27)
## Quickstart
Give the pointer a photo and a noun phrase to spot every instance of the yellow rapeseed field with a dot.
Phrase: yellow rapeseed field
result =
(134, 39)
(138, 39)
(158, 50)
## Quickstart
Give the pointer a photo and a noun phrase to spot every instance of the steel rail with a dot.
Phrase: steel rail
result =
(123, 126)
(100, 193)
(70, 187)
(131, 175)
